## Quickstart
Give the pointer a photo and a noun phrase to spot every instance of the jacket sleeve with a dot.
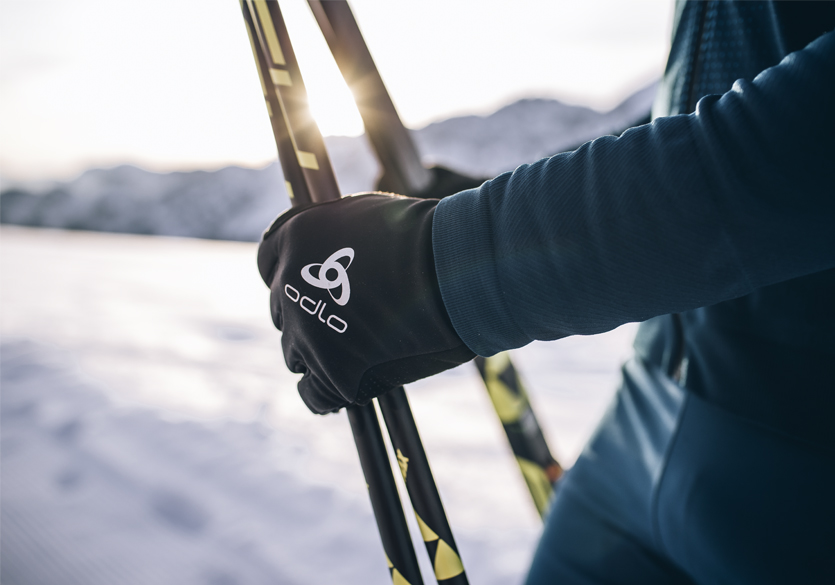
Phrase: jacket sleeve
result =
(682, 213)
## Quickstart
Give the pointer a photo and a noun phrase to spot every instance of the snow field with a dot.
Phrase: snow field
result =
(151, 433)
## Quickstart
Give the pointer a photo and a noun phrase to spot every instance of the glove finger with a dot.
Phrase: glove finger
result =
(385, 377)
(316, 390)
(275, 306)
(320, 398)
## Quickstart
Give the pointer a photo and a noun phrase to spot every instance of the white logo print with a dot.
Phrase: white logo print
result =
(341, 280)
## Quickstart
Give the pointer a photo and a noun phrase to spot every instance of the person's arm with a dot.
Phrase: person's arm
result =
(681, 213)
(377, 291)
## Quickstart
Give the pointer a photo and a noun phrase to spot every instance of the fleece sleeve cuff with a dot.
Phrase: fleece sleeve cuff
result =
(462, 242)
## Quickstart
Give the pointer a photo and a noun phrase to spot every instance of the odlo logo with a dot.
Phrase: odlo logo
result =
(331, 266)
(341, 280)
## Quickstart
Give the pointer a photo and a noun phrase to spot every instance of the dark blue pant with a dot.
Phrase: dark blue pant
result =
(672, 489)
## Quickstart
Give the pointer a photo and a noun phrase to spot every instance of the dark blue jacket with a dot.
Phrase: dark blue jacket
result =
(720, 221)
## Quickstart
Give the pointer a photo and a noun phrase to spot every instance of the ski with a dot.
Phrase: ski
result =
(310, 178)
(403, 172)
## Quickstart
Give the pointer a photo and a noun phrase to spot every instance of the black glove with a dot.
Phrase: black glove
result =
(355, 292)
(445, 182)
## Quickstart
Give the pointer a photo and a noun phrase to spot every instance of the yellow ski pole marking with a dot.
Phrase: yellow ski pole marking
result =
(307, 160)
(255, 55)
(398, 579)
(538, 483)
(447, 562)
(281, 77)
(403, 463)
(427, 533)
(269, 32)
(509, 406)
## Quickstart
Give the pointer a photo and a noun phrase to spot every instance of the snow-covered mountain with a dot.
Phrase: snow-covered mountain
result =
(229, 204)
(235, 203)
(523, 132)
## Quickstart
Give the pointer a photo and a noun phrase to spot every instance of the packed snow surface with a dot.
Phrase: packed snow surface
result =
(152, 435)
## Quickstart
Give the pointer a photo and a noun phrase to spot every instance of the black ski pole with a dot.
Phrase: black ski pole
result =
(294, 179)
(510, 400)
(391, 140)
(278, 71)
(423, 492)
(402, 168)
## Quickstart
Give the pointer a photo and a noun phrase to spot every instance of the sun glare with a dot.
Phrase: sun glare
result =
(331, 102)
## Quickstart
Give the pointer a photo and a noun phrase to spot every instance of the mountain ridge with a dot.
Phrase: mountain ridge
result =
(236, 203)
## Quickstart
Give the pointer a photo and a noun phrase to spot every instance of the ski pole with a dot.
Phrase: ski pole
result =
(421, 486)
(399, 157)
(423, 492)
(507, 393)
(391, 140)
(443, 553)
(272, 58)
(445, 557)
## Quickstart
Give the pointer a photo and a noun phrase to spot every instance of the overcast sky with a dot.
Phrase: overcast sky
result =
(170, 84)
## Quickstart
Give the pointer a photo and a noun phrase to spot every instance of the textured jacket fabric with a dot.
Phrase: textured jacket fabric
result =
(724, 216)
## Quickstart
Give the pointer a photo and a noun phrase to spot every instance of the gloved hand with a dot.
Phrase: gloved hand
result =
(445, 182)
(354, 290)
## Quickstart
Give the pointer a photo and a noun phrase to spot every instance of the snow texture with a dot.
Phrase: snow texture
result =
(152, 435)
(237, 204)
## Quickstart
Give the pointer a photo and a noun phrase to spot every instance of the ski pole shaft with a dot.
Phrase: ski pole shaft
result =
(373, 97)
(423, 492)
(385, 501)
(400, 159)
(391, 139)
(283, 76)
(507, 393)
(294, 179)
(263, 21)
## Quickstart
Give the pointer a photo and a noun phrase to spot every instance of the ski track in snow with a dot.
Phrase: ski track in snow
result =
(151, 433)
